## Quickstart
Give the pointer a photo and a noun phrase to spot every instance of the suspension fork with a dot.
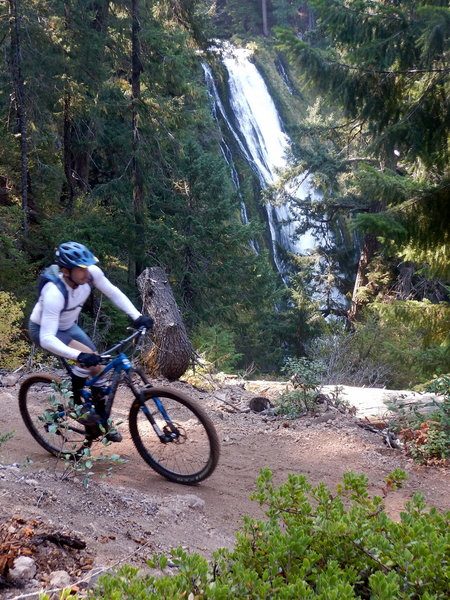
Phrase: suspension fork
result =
(163, 436)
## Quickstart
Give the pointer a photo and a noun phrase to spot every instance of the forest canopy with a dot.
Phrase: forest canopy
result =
(108, 138)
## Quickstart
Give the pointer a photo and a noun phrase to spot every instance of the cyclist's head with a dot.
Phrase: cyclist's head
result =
(73, 254)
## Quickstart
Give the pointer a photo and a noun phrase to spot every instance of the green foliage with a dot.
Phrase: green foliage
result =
(314, 543)
(297, 403)
(244, 19)
(4, 437)
(305, 375)
(75, 462)
(81, 158)
(13, 349)
(304, 372)
(379, 153)
(217, 345)
(399, 345)
(426, 436)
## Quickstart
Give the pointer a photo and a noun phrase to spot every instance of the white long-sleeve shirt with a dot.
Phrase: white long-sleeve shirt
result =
(50, 314)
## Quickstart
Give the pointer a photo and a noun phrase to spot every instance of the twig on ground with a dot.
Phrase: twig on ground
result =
(390, 439)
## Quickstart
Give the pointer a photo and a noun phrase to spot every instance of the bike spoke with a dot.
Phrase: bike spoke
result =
(47, 416)
(186, 449)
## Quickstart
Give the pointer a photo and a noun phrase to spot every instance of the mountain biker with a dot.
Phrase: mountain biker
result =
(53, 321)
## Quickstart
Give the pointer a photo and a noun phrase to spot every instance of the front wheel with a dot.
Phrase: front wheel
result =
(44, 406)
(181, 444)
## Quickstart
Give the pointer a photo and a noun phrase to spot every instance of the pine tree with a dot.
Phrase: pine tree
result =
(385, 65)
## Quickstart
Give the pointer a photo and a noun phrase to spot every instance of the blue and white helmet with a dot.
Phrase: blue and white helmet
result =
(73, 254)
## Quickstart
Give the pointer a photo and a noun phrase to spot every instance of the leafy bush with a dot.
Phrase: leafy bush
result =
(13, 349)
(313, 543)
(75, 462)
(427, 438)
(398, 345)
(305, 375)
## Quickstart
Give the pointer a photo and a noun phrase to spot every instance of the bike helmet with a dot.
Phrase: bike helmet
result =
(73, 254)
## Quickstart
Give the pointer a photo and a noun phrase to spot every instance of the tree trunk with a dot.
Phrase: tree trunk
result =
(76, 164)
(171, 352)
(67, 155)
(371, 245)
(264, 17)
(19, 93)
(138, 187)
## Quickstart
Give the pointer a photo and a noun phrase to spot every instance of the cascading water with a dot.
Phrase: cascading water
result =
(217, 107)
(257, 129)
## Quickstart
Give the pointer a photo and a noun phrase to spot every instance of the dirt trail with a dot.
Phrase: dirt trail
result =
(135, 513)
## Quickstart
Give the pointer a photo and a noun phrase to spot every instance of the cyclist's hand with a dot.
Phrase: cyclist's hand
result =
(143, 321)
(87, 359)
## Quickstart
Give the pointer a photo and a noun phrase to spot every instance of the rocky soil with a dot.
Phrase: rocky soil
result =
(67, 533)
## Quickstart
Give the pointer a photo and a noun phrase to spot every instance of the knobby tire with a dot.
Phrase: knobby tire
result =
(194, 455)
(34, 400)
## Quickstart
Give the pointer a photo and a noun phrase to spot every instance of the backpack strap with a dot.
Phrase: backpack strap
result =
(51, 274)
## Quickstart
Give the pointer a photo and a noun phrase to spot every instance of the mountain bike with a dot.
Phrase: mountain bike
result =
(171, 432)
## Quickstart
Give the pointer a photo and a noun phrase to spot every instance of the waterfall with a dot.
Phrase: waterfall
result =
(218, 109)
(257, 129)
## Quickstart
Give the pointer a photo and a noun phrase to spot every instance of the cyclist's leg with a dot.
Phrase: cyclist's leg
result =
(76, 338)
(81, 341)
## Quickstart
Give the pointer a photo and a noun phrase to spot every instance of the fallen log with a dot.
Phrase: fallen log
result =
(171, 352)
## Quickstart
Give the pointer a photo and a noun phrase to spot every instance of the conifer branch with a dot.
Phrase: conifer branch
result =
(386, 71)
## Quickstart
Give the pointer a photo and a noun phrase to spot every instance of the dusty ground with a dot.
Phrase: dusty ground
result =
(136, 513)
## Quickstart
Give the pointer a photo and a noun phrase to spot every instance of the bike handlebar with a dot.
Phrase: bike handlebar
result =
(136, 333)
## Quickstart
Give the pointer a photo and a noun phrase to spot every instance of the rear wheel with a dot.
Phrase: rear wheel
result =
(189, 449)
(45, 412)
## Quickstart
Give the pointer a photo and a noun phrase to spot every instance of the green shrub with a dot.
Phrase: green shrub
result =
(13, 349)
(426, 437)
(305, 375)
(399, 345)
(77, 462)
(216, 344)
(314, 543)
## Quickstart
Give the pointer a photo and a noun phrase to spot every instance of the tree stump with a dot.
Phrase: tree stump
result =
(172, 351)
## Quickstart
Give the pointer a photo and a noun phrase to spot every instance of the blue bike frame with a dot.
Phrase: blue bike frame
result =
(118, 364)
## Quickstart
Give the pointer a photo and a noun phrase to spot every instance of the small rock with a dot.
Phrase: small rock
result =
(326, 417)
(10, 380)
(24, 568)
(60, 579)
(32, 481)
(194, 501)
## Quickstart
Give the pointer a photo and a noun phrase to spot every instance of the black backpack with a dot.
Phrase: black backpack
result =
(51, 273)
